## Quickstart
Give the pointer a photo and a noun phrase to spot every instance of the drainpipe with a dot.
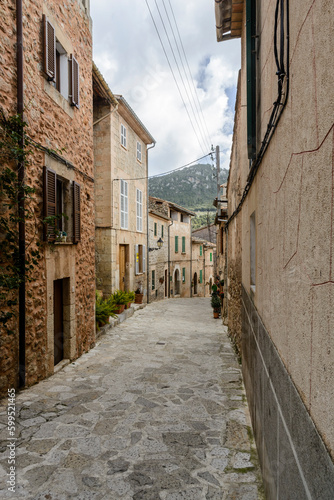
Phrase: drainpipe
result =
(21, 201)
(169, 226)
(147, 228)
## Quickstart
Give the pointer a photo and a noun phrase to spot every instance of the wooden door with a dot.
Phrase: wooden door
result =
(58, 321)
(122, 266)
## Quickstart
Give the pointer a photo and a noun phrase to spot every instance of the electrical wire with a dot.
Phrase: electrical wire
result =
(191, 78)
(279, 104)
(171, 69)
(164, 173)
(206, 139)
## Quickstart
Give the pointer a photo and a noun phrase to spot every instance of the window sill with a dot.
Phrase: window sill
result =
(63, 242)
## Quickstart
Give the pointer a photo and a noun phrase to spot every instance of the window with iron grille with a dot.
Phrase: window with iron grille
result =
(124, 204)
(123, 136)
(139, 202)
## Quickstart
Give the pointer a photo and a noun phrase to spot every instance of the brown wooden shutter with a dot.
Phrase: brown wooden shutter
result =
(74, 66)
(49, 49)
(50, 197)
(76, 213)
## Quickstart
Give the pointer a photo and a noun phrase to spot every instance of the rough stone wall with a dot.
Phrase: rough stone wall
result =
(179, 259)
(158, 259)
(198, 264)
(53, 123)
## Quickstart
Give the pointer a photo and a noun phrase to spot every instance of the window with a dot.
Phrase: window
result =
(61, 196)
(252, 252)
(162, 230)
(139, 210)
(200, 251)
(123, 136)
(153, 280)
(155, 229)
(176, 244)
(61, 70)
(183, 244)
(183, 274)
(124, 204)
(185, 218)
(210, 257)
(201, 276)
(140, 259)
(138, 151)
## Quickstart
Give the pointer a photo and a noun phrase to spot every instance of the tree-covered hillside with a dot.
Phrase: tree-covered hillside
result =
(193, 187)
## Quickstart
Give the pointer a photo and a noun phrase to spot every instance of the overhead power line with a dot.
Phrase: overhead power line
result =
(171, 69)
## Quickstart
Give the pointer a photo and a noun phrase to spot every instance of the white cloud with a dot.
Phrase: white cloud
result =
(129, 55)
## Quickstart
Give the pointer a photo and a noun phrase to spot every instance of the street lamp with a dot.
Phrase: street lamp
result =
(160, 242)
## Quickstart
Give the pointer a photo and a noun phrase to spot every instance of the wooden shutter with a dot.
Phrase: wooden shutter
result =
(183, 244)
(176, 244)
(200, 276)
(144, 258)
(136, 259)
(74, 78)
(50, 198)
(49, 49)
(76, 213)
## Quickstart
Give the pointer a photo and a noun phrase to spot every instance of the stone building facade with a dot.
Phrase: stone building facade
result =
(280, 237)
(203, 267)
(120, 155)
(179, 246)
(56, 321)
(158, 257)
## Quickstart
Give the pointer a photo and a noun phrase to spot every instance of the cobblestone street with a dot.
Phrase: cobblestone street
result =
(156, 411)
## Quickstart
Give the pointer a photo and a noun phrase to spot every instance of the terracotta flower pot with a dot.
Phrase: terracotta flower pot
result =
(215, 314)
(128, 305)
(139, 298)
(120, 308)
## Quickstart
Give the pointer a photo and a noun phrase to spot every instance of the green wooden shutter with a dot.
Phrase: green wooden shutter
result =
(176, 244)
(162, 230)
(155, 229)
(183, 274)
(200, 251)
(201, 276)
(183, 244)
(210, 257)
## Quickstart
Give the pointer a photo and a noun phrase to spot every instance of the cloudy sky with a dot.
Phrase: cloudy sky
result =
(129, 54)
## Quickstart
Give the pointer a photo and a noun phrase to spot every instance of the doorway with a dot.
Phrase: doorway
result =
(195, 284)
(177, 282)
(122, 267)
(58, 315)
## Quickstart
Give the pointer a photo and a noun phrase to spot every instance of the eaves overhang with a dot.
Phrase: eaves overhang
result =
(132, 119)
(101, 89)
(228, 15)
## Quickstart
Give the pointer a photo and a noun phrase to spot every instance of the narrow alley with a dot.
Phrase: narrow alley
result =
(156, 411)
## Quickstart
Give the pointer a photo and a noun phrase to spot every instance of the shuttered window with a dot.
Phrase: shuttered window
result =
(183, 244)
(201, 276)
(162, 230)
(62, 203)
(176, 244)
(210, 257)
(200, 251)
(50, 202)
(76, 213)
(140, 259)
(49, 49)
(183, 274)
(123, 136)
(124, 204)
(155, 229)
(138, 151)
(139, 202)
(74, 79)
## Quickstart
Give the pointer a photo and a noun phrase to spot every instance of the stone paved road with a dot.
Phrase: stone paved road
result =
(156, 411)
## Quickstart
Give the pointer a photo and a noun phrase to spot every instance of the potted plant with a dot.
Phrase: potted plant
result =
(104, 309)
(63, 236)
(131, 298)
(119, 299)
(139, 296)
(215, 304)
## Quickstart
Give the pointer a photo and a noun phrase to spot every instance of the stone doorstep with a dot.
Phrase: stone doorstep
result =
(127, 313)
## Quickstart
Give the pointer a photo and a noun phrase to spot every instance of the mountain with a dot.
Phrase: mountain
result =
(192, 187)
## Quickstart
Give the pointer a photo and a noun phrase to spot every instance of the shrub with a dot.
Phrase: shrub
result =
(215, 302)
(119, 298)
(131, 296)
(103, 309)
